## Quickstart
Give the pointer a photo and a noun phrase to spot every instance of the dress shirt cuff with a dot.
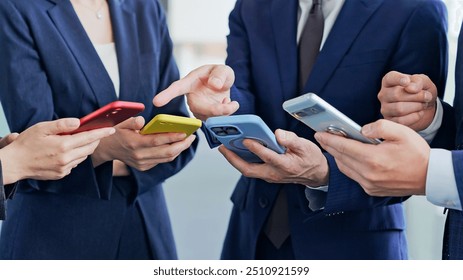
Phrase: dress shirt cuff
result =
(430, 132)
(441, 187)
(321, 188)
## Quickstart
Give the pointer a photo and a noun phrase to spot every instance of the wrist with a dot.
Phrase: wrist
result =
(100, 155)
(11, 168)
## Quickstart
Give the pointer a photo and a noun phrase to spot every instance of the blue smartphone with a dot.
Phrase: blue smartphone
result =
(321, 116)
(232, 130)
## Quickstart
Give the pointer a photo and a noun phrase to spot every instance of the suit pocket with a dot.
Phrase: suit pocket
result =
(355, 59)
(240, 193)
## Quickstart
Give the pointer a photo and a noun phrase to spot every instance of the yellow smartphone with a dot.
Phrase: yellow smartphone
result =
(163, 123)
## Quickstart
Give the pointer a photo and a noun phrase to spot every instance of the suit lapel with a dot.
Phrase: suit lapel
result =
(73, 33)
(125, 36)
(284, 25)
(353, 16)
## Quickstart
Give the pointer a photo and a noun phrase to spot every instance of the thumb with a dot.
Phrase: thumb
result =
(395, 78)
(221, 77)
(59, 126)
(387, 130)
(287, 139)
(136, 123)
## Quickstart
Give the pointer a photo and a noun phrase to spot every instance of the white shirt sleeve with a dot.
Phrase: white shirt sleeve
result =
(321, 188)
(430, 132)
(441, 187)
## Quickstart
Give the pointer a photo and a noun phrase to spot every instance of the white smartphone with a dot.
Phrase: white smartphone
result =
(321, 116)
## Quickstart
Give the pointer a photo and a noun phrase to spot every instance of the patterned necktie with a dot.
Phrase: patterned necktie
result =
(277, 226)
(310, 41)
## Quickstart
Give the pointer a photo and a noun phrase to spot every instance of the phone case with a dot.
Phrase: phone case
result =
(109, 115)
(321, 116)
(169, 123)
(232, 130)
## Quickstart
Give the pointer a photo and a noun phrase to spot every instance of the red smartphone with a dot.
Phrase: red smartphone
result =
(109, 115)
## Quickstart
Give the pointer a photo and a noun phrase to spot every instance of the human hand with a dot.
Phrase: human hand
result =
(41, 153)
(302, 163)
(207, 89)
(408, 99)
(141, 152)
(396, 167)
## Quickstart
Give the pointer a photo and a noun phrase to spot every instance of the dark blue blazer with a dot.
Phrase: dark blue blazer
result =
(49, 69)
(453, 234)
(368, 39)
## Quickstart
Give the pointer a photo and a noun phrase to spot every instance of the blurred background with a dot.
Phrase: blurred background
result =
(198, 197)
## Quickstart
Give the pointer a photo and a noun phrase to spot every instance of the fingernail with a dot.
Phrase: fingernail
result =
(317, 137)
(427, 96)
(366, 129)
(112, 131)
(72, 122)
(216, 82)
(403, 81)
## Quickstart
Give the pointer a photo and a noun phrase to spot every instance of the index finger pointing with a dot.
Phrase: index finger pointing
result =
(177, 88)
(184, 85)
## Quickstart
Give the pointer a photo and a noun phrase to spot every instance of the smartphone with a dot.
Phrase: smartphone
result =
(321, 116)
(109, 115)
(169, 123)
(232, 130)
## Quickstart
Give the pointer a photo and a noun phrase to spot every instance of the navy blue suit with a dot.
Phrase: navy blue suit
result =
(368, 39)
(453, 234)
(49, 69)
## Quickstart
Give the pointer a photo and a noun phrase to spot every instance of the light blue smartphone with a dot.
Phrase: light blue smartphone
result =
(321, 116)
(232, 130)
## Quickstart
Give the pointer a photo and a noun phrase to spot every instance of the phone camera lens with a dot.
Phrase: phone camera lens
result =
(219, 131)
(300, 114)
(231, 131)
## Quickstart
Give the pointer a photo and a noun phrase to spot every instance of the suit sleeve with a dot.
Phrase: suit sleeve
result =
(457, 158)
(243, 87)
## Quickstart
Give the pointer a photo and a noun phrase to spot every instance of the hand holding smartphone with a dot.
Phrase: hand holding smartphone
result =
(232, 130)
(163, 123)
(109, 115)
(321, 116)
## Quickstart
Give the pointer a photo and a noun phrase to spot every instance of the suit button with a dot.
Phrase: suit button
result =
(263, 202)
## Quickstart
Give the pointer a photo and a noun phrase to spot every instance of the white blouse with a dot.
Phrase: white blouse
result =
(108, 56)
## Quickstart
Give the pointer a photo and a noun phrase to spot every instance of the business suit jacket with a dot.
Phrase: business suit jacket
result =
(368, 39)
(453, 234)
(49, 69)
